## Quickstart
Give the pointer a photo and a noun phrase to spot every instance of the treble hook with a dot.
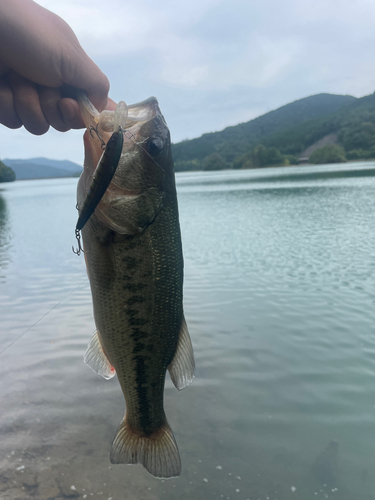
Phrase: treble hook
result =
(95, 129)
(79, 249)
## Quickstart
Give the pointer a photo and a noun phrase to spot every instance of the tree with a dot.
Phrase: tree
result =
(291, 159)
(243, 161)
(214, 161)
(265, 157)
(357, 136)
(331, 153)
(358, 154)
(261, 156)
(6, 173)
(186, 165)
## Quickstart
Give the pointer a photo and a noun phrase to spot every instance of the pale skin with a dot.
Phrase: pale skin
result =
(41, 65)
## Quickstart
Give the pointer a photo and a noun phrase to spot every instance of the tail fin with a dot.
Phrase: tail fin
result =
(158, 453)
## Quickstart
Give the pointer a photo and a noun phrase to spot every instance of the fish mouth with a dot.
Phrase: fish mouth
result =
(143, 111)
(118, 126)
(134, 163)
(128, 115)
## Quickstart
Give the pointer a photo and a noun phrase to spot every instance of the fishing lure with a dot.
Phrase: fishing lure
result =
(106, 168)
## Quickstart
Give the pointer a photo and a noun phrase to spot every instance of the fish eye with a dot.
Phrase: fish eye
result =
(155, 146)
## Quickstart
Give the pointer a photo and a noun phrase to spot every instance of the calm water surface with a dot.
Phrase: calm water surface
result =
(279, 299)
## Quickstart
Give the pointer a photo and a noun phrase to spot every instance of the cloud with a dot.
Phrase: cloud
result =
(123, 27)
(213, 63)
(217, 44)
(194, 43)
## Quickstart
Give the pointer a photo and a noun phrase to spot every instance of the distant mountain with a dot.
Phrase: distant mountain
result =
(233, 142)
(42, 168)
(64, 164)
(295, 130)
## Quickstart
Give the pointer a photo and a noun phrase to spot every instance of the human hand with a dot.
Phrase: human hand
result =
(41, 64)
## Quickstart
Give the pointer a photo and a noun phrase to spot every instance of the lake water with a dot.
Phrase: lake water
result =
(279, 299)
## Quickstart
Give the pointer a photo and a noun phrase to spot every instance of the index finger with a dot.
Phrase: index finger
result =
(91, 79)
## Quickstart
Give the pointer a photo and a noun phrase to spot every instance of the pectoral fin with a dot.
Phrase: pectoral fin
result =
(96, 359)
(182, 366)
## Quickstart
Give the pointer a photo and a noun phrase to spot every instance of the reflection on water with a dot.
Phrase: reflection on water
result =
(279, 298)
(325, 467)
(280, 174)
(4, 238)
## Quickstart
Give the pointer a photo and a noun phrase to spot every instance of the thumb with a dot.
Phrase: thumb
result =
(81, 72)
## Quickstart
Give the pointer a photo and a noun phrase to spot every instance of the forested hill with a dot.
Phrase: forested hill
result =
(6, 173)
(353, 125)
(232, 142)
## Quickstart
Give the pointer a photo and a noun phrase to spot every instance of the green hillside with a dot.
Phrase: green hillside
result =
(354, 125)
(6, 173)
(235, 141)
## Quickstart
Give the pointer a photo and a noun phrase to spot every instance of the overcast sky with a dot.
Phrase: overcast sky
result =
(213, 63)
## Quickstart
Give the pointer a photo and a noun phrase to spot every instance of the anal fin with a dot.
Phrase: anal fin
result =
(182, 366)
(96, 359)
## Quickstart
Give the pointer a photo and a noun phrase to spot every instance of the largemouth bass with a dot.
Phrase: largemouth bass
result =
(133, 253)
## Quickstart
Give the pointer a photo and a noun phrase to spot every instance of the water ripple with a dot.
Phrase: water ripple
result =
(279, 299)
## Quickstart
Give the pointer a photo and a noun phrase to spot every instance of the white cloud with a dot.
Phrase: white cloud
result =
(107, 30)
(213, 63)
(121, 27)
(262, 62)
(337, 11)
(184, 75)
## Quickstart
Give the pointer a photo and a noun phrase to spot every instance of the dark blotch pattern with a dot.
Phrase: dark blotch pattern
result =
(134, 287)
(138, 334)
(135, 299)
(142, 393)
(131, 263)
